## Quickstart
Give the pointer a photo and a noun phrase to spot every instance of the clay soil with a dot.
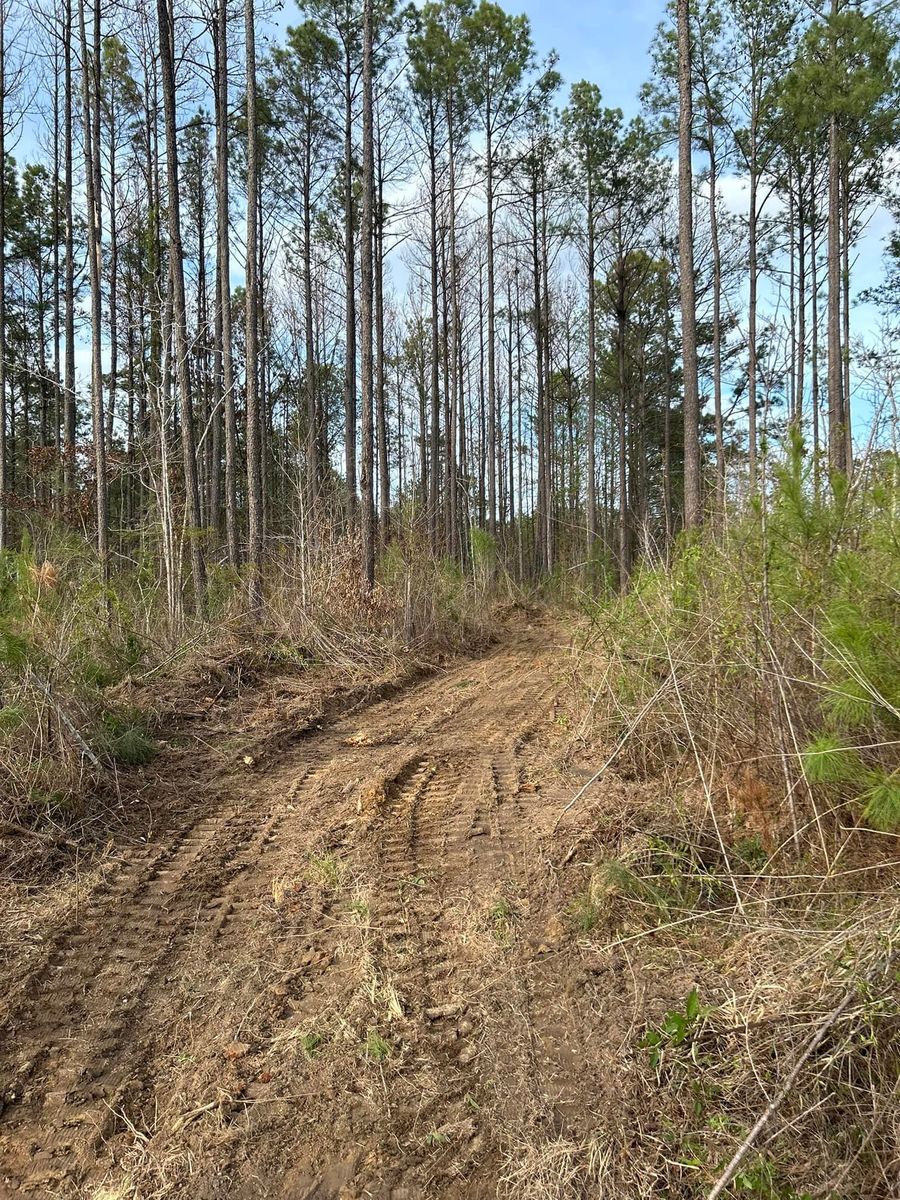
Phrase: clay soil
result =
(322, 961)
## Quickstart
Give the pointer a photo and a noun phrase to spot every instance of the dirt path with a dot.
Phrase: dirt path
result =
(342, 975)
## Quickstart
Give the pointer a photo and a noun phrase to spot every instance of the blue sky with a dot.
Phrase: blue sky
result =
(604, 41)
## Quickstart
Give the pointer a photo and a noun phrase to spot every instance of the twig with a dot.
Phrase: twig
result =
(776, 1102)
(707, 791)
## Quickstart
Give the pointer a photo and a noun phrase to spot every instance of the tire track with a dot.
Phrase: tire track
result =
(92, 1027)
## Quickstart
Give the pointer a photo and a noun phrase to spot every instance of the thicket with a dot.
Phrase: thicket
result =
(770, 643)
(747, 692)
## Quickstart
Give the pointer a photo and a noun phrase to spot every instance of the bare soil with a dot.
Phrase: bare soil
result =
(330, 960)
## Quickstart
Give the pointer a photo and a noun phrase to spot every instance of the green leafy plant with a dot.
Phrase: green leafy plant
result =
(311, 1043)
(677, 1029)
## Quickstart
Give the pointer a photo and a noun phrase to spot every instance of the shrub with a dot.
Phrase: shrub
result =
(773, 640)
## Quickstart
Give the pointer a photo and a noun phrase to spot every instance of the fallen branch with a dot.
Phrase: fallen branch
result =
(17, 830)
(775, 1103)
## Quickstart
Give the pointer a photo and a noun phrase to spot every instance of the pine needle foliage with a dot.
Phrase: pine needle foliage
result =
(772, 638)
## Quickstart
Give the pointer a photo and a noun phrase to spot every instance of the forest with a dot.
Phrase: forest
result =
(449, 624)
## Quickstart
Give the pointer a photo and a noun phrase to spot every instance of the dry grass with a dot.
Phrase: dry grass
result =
(724, 868)
(86, 677)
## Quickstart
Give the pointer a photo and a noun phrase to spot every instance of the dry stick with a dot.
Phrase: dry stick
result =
(779, 676)
(832, 1188)
(67, 721)
(622, 739)
(774, 1104)
(17, 830)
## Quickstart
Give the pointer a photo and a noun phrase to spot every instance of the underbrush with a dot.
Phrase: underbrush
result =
(761, 1001)
(745, 700)
(764, 663)
(87, 672)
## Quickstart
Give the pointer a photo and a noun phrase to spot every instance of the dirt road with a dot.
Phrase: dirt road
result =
(340, 973)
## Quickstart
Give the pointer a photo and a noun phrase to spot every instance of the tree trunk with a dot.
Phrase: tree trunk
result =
(4, 535)
(751, 311)
(801, 298)
(350, 281)
(223, 283)
(814, 282)
(692, 501)
(836, 423)
(845, 318)
(384, 481)
(313, 469)
(113, 272)
(592, 370)
(91, 150)
(716, 331)
(179, 311)
(252, 403)
(434, 440)
(69, 415)
(491, 335)
(366, 297)
(621, 428)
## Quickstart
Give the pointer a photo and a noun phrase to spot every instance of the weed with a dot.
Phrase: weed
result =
(376, 1048)
(11, 718)
(124, 740)
(328, 870)
(750, 852)
(501, 916)
(759, 1178)
(311, 1043)
(584, 912)
(677, 1028)
(613, 877)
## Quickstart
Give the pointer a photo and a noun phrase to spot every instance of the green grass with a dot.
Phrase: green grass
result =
(501, 916)
(376, 1048)
(311, 1043)
(584, 913)
(328, 870)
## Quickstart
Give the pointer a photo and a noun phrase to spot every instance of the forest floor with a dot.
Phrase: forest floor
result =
(324, 959)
